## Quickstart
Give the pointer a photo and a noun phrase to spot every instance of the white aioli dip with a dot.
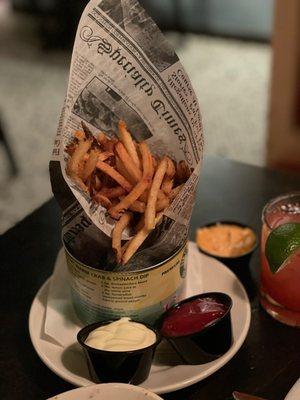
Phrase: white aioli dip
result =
(121, 335)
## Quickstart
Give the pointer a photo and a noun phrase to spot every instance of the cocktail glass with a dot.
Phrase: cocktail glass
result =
(280, 291)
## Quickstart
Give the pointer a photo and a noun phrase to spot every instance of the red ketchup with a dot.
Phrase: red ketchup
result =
(192, 316)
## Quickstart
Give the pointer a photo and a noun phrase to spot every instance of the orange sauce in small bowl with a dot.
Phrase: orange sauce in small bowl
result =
(226, 240)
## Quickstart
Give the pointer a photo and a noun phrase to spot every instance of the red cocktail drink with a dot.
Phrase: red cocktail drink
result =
(280, 291)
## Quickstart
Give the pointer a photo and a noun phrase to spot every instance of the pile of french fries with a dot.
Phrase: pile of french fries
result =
(124, 177)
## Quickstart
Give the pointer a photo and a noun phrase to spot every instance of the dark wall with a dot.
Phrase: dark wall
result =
(249, 19)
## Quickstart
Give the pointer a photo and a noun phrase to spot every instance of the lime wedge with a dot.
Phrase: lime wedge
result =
(282, 242)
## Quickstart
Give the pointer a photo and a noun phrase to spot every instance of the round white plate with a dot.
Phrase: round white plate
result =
(104, 391)
(167, 373)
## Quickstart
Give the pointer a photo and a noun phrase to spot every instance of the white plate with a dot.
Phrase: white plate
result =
(104, 391)
(167, 374)
(294, 393)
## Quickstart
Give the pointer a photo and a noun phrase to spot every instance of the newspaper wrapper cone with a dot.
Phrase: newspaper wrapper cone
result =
(122, 67)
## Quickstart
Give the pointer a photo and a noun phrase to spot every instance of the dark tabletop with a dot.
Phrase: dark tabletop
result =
(268, 362)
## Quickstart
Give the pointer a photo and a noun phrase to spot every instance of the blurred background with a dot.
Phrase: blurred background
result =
(247, 87)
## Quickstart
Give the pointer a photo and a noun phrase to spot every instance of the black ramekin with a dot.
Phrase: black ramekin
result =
(117, 366)
(234, 263)
(210, 342)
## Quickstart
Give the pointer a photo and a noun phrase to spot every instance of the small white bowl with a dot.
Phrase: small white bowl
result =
(112, 391)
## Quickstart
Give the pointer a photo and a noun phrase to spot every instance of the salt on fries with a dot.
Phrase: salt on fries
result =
(125, 178)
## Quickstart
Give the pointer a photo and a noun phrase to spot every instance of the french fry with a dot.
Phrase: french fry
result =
(162, 204)
(140, 187)
(107, 169)
(120, 168)
(78, 181)
(161, 195)
(89, 185)
(105, 155)
(144, 197)
(167, 185)
(171, 170)
(110, 145)
(97, 184)
(93, 183)
(73, 163)
(71, 147)
(134, 244)
(128, 142)
(90, 165)
(124, 247)
(88, 133)
(174, 192)
(117, 234)
(141, 223)
(138, 206)
(126, 179)
(102, 138)
(79, 135)
(137, 241)
(77, 156)
(155, 163)
(103, 200)
(152, 199)
(81, 166)
(112, 193)
(114, 201)
(132, 169)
